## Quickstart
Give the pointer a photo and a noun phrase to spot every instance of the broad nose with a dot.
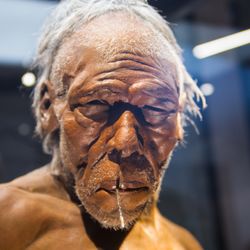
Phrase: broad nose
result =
(127, 138)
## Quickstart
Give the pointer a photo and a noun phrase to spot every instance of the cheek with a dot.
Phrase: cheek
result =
(77, 136)
(164, 138)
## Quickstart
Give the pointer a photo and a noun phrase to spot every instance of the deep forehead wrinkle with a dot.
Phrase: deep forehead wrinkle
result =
(109, 35)
(123, 72)
(121, 31)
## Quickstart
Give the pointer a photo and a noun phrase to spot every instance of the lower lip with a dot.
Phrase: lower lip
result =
(129, 200)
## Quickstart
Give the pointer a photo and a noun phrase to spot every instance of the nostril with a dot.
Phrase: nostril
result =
(140, 138)
(46, 104)
(115, 156)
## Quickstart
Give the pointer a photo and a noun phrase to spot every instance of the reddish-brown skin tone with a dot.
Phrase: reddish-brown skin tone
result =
(118, 121)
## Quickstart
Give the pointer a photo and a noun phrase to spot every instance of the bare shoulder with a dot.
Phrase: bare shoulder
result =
(40, 181)
(14, 202)
(180, 237)
(29, 204)
(30, 193)
(183, 236)
(15, 208)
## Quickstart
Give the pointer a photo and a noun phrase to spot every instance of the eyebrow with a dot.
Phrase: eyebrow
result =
(99, 89)
(110, 86)
(168, 96)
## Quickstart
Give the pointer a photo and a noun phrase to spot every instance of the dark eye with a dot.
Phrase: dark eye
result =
(96, 110)
(96, 102)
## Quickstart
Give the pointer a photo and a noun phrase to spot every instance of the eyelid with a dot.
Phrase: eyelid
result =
(96, 102)
(154, 108)
(91, 103)
(159, 110)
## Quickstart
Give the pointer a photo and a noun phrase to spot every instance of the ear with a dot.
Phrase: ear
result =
(179, 128)
(49, 121)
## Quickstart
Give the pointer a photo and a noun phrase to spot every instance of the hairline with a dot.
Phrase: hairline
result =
(156, 41)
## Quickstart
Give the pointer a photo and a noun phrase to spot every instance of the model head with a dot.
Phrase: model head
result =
(111, 103)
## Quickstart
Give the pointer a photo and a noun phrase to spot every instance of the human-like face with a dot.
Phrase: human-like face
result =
(118, 127)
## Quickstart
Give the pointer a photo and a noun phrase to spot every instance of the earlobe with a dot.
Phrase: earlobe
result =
(49, 122)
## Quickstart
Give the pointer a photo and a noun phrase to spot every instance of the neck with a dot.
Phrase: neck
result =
(106, 239)
(110, 239)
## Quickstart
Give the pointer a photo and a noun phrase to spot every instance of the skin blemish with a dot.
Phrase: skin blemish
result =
(120, 209)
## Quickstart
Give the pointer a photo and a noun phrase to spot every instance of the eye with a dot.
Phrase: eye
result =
(151, 108)
(96, 102)
(96, 110)
(155, 115)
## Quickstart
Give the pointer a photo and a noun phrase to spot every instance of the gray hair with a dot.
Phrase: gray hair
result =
(69, 15)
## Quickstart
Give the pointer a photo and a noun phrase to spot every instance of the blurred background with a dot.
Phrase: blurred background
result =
(207, 187)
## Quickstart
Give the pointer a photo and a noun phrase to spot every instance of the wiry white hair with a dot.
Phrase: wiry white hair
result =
(70, 15)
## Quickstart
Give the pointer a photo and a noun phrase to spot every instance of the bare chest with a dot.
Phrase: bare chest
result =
(75, 238)
(62, 238)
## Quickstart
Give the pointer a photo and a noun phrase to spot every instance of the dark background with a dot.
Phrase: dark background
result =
(207, 187)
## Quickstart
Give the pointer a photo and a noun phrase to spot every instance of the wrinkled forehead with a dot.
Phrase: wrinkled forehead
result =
(104, 37)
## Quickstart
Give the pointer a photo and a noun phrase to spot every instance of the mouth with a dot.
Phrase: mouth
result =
(133, 195)
(112, 187)
(116, 201)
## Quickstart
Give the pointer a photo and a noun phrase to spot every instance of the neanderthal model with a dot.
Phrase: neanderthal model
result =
(110, 104)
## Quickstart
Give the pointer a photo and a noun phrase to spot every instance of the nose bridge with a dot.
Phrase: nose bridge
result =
(125, 138)
(126, 121)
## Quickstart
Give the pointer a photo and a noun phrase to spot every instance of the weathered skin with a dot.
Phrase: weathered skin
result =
(37, 213)
(118, 119)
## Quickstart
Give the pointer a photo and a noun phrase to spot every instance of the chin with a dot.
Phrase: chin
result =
(116, 209)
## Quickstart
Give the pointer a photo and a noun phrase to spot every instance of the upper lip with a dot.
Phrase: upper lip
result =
(126, 186)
